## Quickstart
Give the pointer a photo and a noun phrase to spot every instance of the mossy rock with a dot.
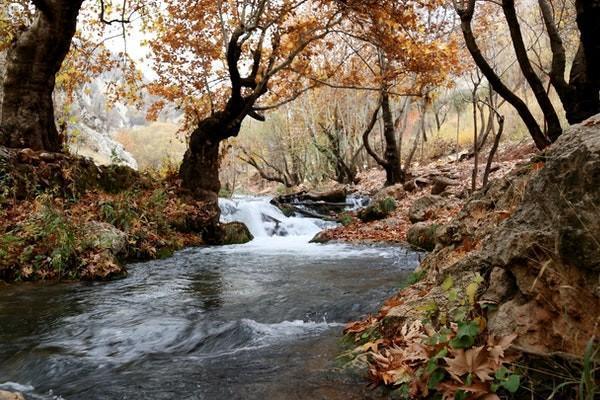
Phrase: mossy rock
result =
(422, 236)
(380, 210)
(236, 233)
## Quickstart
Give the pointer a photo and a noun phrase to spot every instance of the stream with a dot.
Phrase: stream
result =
(256, 321)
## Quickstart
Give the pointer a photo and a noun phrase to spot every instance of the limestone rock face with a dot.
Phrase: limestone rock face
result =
(534, 237)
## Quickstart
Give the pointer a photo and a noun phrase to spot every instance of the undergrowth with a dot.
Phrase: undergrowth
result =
(449, 354)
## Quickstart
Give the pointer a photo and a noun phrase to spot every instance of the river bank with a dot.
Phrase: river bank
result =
(509, 294)
(64, 218)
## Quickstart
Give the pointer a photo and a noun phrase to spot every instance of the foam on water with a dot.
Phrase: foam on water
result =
(265, 220)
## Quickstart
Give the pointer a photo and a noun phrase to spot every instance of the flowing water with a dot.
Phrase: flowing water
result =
(256, 321)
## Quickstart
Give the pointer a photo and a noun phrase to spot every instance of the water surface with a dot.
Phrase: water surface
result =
(257, 321)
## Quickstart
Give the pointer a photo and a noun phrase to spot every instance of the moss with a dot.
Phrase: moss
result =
(236, 233)
(380, 210)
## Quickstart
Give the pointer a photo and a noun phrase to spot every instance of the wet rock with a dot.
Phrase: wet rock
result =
(321, 238)
(236, 233)
(4, 395)
(425, 207)
(422, 235)
(395, 192)
(440, 183)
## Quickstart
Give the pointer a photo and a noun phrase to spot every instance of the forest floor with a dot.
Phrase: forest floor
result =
(394, 227)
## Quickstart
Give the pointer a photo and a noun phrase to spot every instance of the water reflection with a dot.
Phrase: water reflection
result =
(208, 287)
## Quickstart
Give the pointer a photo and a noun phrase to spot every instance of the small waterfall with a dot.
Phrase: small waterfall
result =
(265, 220)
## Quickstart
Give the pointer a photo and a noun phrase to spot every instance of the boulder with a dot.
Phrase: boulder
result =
(4, 395)
(533, 237)
(377, 211)
(425, 207)
(395, 192)
(104, 236)
(440, 183)
(236, 233)
(422, 236)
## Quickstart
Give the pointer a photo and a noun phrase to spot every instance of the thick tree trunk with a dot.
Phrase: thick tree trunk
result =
(34, 59)
(199, 171)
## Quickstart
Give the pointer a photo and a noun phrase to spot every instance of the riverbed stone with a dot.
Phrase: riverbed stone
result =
(236, 233)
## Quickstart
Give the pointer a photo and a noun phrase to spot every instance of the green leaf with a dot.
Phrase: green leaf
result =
(452, 295)
(469, 380)
(501, 374)
(435, 378)
(465, 337)
(461, 395)
(512, 383)
(448, 283)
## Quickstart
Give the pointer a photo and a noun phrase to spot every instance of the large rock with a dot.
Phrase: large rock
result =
(422, 236)
(104, 236)
(236, 233)
(534, 238)
(395, 192)
(377, 211)
(424, 208)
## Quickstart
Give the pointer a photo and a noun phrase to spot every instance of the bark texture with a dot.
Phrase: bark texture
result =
(32, 62)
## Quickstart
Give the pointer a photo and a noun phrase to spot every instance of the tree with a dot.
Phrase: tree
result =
(400, 51)
(579, 97)
(228, 56)
(32, 62)
(44, 52)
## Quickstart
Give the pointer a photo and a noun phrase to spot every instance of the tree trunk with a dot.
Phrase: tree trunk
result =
(32, 62)
(543, 100)
(393, 167)
(466, 17)
(585, 73)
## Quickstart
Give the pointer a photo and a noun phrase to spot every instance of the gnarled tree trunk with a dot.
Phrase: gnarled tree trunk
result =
(32, 62)
(391, 162)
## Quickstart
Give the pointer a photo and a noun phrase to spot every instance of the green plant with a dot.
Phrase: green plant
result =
(413, 278)
(119, 212)
(345, 219)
